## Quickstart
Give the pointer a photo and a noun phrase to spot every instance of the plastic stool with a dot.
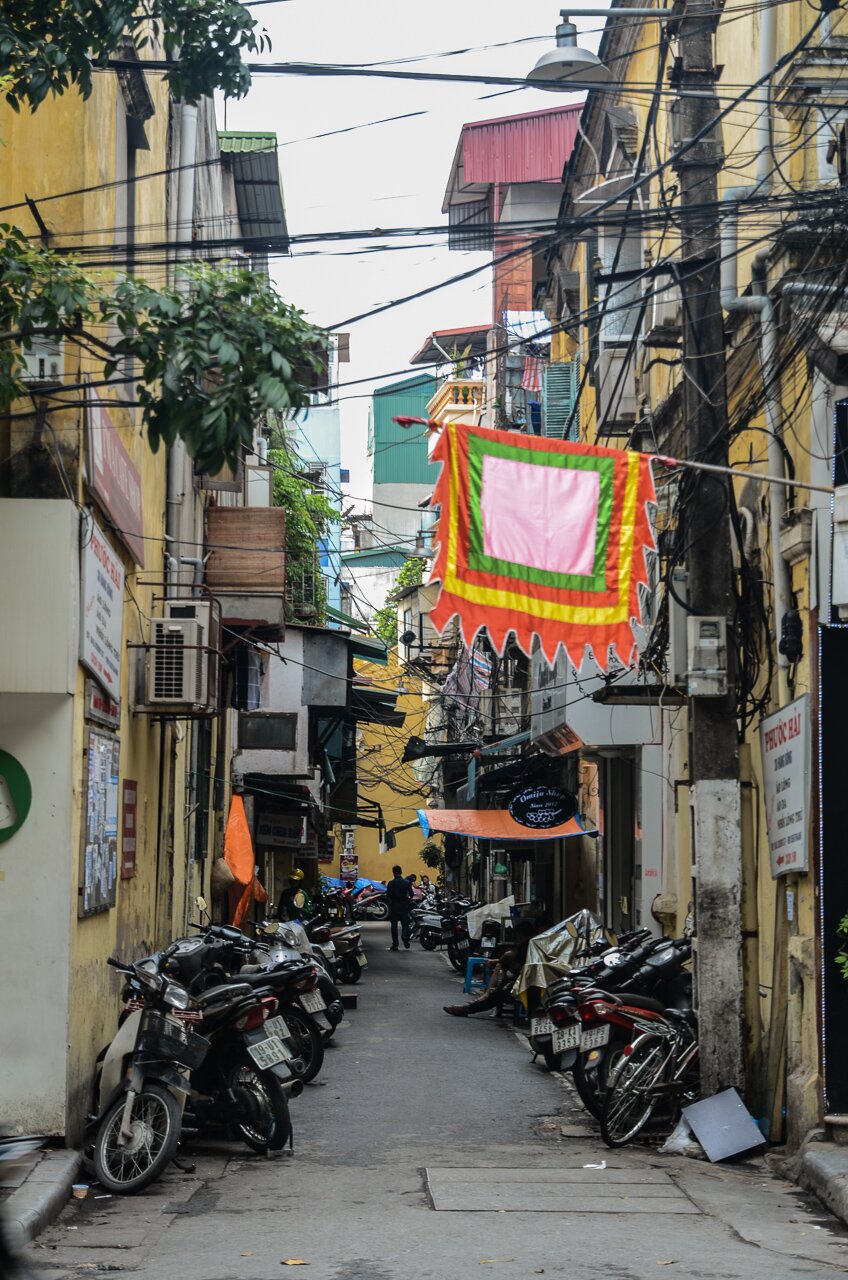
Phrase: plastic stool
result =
(471, 982)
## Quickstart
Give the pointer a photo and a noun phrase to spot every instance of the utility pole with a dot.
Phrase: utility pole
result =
(713, 745)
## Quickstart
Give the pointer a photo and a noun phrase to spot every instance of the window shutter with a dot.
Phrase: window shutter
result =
(561, 387)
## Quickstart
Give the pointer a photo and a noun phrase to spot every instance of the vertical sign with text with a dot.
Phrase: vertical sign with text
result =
(785, 741)
(129, 828)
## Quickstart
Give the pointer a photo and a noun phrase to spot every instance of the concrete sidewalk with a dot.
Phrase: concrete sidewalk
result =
(39, 1193)
(822, 1167)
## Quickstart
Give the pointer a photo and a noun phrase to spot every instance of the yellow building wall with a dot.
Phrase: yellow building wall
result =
(70, 144)
(382, 777)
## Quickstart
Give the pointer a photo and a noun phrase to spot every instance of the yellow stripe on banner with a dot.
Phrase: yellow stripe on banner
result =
(549, 609)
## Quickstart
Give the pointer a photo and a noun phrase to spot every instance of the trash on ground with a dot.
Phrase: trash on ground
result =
(682, 1142)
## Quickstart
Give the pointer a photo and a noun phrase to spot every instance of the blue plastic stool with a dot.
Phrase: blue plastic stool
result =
(473, 983)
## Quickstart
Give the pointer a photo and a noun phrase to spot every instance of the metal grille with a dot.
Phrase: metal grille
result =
(169, 662)
(470, 225)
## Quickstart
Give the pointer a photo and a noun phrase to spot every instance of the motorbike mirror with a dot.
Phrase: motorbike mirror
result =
(272, 927)
(200, 903)
(571, 929)
(610, 937)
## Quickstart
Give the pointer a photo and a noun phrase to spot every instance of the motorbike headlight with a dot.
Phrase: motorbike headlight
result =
(175, 996)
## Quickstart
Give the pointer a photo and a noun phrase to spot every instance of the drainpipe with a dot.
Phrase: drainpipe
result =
(183, 235)
(198, 564)
(761, 306)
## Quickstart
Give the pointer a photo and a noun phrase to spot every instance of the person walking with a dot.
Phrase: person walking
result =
(399, 898)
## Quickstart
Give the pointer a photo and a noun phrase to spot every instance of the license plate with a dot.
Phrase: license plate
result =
(313, 1001)
(267, 1053)
(278, 1027)
(463, 944)
(361, 961)
(446, 935)
(594, 1038)
(541, 1027)
(566, 1038)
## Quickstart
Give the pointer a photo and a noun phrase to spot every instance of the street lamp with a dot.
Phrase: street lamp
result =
(568, 64)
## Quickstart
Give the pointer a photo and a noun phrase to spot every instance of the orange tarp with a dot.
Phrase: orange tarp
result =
(493, 824)
(238, 846)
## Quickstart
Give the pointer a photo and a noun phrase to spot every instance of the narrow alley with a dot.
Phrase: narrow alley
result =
(431, 1147)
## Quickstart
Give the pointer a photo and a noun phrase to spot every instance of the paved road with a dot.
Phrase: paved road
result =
(414, 1110)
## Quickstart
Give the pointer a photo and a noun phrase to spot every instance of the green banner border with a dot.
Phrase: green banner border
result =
(478, 561)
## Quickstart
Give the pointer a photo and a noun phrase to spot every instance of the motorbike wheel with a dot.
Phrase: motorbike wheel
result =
(156, 1126)
(309, 1043)
(429, 940)
(262, 1101)
(553, 1061)
(353, 971)
(631, 1098)
(457, 958)
(379, 911)
(592, 1083)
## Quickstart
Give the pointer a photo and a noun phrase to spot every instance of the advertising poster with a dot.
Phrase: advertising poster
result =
(100, 850)
(785, 741)
(349, 868)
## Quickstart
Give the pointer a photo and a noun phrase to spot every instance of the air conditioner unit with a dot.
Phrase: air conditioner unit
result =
(616, 384)
(667, 311)
(178, 666)
(44, 362)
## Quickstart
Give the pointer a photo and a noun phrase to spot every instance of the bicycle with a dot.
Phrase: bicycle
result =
(659, 1066)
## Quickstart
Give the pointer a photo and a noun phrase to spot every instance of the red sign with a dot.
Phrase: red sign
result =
(129, 826)
(115, 480)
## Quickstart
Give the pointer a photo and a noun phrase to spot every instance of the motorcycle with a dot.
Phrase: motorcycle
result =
(288, 943)
(370, 904)
(143, 1082)
(224, 954)
(597, 1015)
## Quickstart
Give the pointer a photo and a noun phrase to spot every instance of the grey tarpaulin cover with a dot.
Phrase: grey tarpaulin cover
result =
(550, 955)
(491, 911)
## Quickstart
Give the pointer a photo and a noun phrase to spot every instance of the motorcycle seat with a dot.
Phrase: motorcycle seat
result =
(225, 994)
(274, 977)
(642, 1002)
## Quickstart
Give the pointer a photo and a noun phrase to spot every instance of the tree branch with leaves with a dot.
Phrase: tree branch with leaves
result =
(213, 356)
(48, 46)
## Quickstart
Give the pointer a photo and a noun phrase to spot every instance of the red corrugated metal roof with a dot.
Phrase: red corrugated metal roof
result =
(526, 148)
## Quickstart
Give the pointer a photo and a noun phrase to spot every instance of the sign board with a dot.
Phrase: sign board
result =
(785, 742)
(102, 623)
(129, 828)
(349, 868)
(100, 707)
(15, 795)
(281, 831)
(541, 807)
(100, 848)
(115, 480)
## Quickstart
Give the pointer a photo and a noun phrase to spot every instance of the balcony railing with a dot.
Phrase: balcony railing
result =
(462, 399)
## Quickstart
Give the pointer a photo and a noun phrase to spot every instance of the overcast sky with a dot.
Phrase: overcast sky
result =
(387, 175)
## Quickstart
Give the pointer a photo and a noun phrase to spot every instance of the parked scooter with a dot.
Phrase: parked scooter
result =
(288, 944)
(143, 1082)
(370, 904)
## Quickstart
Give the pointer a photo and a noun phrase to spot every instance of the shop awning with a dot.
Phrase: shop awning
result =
(494, 824)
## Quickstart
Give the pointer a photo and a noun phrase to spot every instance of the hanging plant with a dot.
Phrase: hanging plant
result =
(431, 855)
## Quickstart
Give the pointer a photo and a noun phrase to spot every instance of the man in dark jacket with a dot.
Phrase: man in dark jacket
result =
(399, 898)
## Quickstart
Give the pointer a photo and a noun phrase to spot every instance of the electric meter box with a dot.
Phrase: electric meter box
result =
(707, 656)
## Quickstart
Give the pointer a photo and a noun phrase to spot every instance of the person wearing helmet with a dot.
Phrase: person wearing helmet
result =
(294, 900)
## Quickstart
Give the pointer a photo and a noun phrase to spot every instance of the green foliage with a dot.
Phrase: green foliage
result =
(214, 356)
(309, 516)
(841, 959)
(46, 46)
(385, 619)
(431, 855)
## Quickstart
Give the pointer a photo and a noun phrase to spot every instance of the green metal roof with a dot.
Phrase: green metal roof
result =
(338, 615)
(400, 453)
(380, 556)
(233, 143)
(255, 166)
(369, 648)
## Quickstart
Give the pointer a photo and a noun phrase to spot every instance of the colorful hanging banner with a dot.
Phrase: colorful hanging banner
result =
(541, 538)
